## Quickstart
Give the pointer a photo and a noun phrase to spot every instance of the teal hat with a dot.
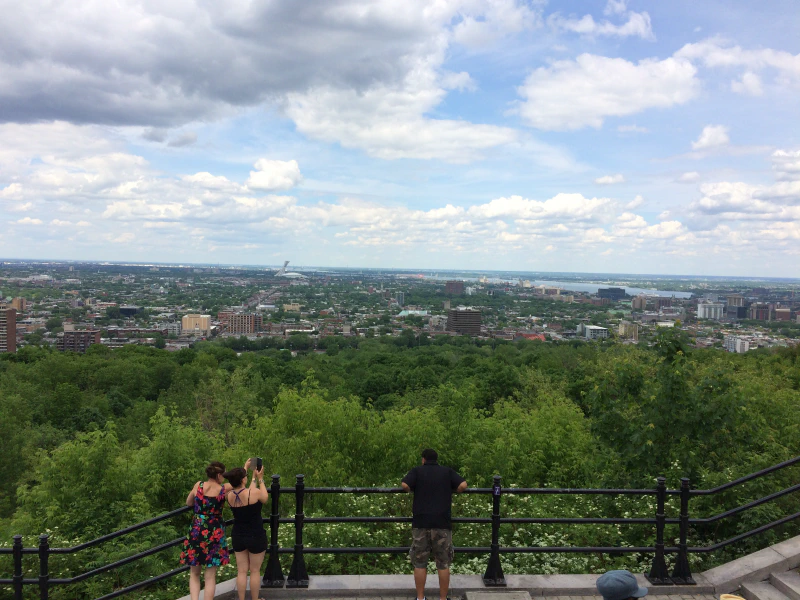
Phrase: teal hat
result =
(619, 585)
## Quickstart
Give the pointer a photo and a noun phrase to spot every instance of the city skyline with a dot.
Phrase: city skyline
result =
(607, 137)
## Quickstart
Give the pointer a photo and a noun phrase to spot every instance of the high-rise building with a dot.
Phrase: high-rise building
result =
(629, 330)
(736, 344)
(77, 341)
(614, 294)
(454, 287)
(710, 310)
(593, 332)
(661, 302)
(760, 312)
(244, 323)
(639, 303)
(197, 324)
(783, 314)
(19, 304)
(8, 328)
(400, 297)
(464, 321)
(173, 328)
(735, 300)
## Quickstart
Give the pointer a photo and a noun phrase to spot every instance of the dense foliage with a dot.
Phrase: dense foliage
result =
(95, 442)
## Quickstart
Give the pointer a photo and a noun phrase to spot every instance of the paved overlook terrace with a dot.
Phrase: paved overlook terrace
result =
(765, 575)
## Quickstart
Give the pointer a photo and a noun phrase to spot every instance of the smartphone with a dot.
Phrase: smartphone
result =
(256, 463)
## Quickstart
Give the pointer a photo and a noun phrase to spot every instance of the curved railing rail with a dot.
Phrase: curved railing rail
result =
(298, 575)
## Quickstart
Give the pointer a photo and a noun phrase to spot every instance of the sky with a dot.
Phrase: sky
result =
(629, 136)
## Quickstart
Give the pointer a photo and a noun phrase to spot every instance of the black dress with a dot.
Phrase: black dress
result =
(248, 527)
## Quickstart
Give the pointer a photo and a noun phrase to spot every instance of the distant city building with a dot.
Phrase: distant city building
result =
(736, 344)
(593, 332)
(8, 328)
(454, 287)
(196, 324)
(173, 328)
(446, 304)
(760, 312)
(244, 323)
(661, 302)
(77, 341)
(128, 310)
(19, 304)
(400, 297)
(464, 321)
(292, 307)
(783, 314)
(614, 294)
(735, 300)
(736, 312)
(710, 310)
(629, 330)
(639, 303)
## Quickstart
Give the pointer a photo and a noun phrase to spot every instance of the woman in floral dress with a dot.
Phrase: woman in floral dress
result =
(206, 545)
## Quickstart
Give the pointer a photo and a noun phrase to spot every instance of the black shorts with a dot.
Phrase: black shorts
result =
(254, 544)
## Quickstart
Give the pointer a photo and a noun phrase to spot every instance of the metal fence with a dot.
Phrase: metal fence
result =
(493, 576)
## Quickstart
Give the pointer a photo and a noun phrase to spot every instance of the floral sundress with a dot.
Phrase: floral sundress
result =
(206, 544)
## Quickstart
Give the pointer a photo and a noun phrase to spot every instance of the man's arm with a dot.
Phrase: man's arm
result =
(461, 487)
(409, 481)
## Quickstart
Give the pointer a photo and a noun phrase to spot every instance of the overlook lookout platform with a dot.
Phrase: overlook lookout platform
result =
(774, 562)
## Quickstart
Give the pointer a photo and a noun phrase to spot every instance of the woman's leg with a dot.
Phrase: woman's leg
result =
(211, 583)
(255, 574)
(194, 582)
(242, 565)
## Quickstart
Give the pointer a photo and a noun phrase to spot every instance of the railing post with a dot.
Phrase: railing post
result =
(17, 549)
(44, 574)
(493, 577)
(298, 577)
(659, 575)
(273, 576)
(682, 573)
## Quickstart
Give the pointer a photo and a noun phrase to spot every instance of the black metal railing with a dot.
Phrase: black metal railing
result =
(493, 577)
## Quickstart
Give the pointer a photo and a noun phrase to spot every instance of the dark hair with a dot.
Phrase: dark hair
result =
(430, 455)
(215, 469)
(235, 476)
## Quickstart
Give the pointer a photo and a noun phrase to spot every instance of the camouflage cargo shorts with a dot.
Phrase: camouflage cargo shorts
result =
(439, 542)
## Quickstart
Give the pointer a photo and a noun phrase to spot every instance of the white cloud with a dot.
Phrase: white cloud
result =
(388, 121)
(616, 7)
(572, 94)
(638, 24)
(274, 175)
(712, 136)
(635, 203)
(786, 164)
(70, 180)
(632, 129)
(610, 179)
(749, 83)
(487, 22)
(716, 53)
(689, 177)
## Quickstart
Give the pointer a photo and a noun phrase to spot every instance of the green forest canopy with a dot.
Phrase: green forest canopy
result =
(95, 442)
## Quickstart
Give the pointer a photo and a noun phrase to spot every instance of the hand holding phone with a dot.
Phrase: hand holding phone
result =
(256, 464)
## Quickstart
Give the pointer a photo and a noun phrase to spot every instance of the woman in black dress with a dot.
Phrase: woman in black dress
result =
(248, 535)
